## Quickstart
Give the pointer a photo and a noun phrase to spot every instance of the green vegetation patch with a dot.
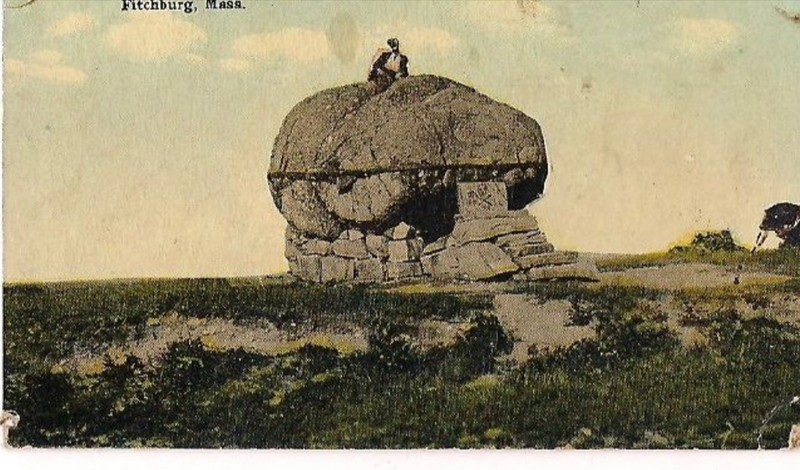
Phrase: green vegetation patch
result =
(631, 385)
(711, 242)
(784, 261)
(48, 322)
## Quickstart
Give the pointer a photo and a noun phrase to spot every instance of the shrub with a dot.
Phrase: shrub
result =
(711, 242)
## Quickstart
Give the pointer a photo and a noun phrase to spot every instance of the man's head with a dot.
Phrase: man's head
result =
(394, 44)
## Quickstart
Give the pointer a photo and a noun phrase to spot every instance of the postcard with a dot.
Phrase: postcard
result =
(498, 224)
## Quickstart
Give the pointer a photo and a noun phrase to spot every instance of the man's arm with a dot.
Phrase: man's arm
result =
(378, 64)
(403, 67)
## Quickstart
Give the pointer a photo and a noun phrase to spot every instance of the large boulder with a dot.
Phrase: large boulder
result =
(346, 158)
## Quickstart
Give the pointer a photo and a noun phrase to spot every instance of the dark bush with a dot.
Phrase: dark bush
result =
(711, 242)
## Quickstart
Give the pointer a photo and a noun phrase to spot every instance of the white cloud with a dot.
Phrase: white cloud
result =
(153, 36)
(73, 23)
(704, 35)
(308, 46)
(511, 16)
(414, 39)
(235, 64)
(293, 44)
(47, 57)
(45, 65)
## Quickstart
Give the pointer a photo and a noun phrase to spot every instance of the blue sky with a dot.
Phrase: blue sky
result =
(136, 145)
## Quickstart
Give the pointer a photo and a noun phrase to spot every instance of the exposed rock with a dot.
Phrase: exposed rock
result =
(519, 251)
(303, 208)
(365, 180)
(317, 247)
(335, 269)
(365, 199)
(524, 238)
(407, 270)
(378, 246)
(438, 266)
(292, 249)
(356, 249)
(544, 324)
(402, 231)
(369, 270)
(474, 261)
(520, 276)
(405, 250)
(308, 268)
(507, 244)
(476, 230)
(347, 158)
(295, 235)
(480, 200)
(351, 235)
(436, 246)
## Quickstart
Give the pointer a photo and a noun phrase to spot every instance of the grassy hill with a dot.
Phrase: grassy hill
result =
(267, 362)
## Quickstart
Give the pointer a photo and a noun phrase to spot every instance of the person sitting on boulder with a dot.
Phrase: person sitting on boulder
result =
(387, 66)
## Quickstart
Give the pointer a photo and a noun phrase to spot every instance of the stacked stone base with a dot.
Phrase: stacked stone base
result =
(356, 257)
(506, 245)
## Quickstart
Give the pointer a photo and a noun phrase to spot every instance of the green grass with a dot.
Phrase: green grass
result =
(784, 261)
(48, 322)
(631, 386)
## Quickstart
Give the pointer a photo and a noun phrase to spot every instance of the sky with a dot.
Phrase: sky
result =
(135, 145)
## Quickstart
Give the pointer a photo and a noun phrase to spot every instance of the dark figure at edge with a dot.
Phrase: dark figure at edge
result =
(784, 220)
